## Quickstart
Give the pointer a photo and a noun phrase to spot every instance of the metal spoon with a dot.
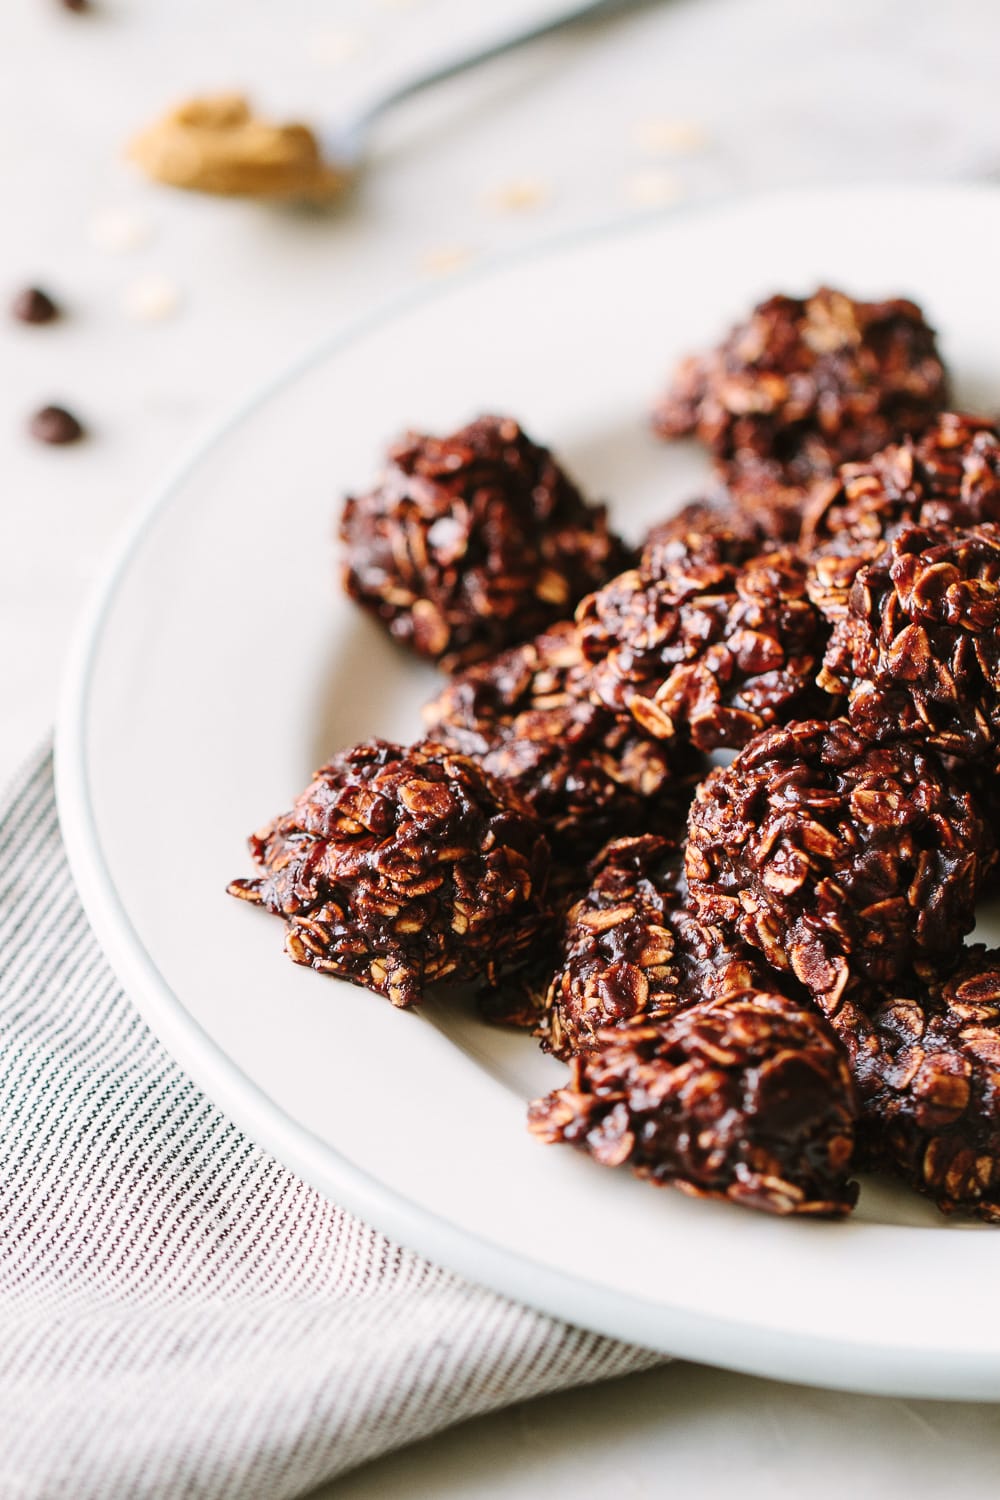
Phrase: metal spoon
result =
(344, 143)
(217, 146)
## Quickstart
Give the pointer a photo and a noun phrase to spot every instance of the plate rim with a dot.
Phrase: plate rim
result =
(811, 1358)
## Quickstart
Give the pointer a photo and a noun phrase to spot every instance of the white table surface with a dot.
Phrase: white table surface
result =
(769, 93)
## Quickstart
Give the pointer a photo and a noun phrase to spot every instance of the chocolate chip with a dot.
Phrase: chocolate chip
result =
(54, 424)
(32, 305)
(924, 1057)
(76, 5)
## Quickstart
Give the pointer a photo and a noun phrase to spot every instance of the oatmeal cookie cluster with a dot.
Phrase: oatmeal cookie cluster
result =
(706, 653)
(803, 385)
(472, 542)
(746, 1098)
(398, 868)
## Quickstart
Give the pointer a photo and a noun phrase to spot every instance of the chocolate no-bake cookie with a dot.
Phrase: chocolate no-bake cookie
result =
(707, 651)
(949, 475)
(839, 859)
(472, 542)
(618, 955)
(587, 773)
(397, 868)
(747, 1098)
(918, 647)
(926, 1061)
(631, 946)
(806, 384)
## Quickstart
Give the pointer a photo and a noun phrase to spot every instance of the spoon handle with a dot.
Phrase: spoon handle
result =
(452, 68)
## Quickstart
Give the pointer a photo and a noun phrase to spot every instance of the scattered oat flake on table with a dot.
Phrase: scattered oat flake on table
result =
(519, 195)
(400, 868)
(336, 46)
(150, 299)
(119, 231)
(659, 135)
(445, 259)
(654, 189)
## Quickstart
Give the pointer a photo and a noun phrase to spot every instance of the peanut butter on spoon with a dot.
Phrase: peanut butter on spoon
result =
(217, 145)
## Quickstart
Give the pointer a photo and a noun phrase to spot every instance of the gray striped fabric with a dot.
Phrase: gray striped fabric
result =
(179, 1315)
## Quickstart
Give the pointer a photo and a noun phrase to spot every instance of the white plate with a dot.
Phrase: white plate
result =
(219, 666)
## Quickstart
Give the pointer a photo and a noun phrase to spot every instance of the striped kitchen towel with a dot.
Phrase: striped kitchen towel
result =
(179, 1315)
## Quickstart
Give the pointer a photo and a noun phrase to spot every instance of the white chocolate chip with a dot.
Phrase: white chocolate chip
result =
(519, 196)
(659, 135)
(150, 299)
(445, 259)
(119, 231)
(654, 189)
